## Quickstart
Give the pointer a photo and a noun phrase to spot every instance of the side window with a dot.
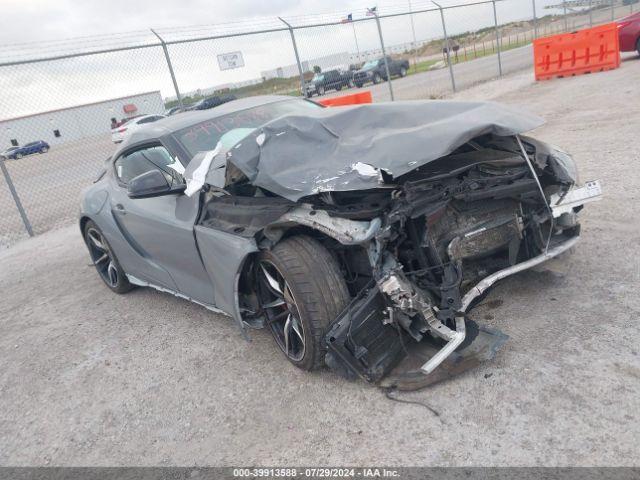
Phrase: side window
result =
(146, 120)
(132, 164)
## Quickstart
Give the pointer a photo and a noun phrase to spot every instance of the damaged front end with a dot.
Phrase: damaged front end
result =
(420, 232)
(445, 233)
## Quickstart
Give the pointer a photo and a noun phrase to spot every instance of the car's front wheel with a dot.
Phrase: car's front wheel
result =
(403, 72)
(18, 156)
(320, 90)
(104, 259)
(301, 291)
(377, 78)
(44, 149)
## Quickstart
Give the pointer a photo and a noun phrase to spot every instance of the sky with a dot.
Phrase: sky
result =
(43, 28)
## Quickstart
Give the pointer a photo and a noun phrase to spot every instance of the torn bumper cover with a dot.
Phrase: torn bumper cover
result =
(366, 339)
(388, 360)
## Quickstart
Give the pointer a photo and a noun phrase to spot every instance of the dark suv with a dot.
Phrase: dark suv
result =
(329, 80)
(374, 71)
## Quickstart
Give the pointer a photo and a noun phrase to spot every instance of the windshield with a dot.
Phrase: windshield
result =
(205, 136)
(370, 64)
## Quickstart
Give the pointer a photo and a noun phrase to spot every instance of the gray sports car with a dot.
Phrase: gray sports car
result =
(354, 234)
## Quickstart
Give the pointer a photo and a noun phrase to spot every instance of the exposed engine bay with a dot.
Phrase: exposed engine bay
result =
(413, 250)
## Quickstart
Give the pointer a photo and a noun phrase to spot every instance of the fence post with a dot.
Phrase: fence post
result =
(590, 14)
(415, 44)
(295, 51)
(535, 20)
(173, 75)
(613, 14)
(564, 16)
(446, 45)
(495, 19)
(16, 198)
(384, 52)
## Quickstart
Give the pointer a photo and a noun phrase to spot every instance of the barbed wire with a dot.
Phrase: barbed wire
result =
(91, 44)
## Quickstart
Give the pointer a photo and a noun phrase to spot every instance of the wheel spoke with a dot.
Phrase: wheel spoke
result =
(287, 332)
(112, 273)
(275, 303)
(296, 328)
(96, 239)
(278, 317)
(101, 259)
(272, 282)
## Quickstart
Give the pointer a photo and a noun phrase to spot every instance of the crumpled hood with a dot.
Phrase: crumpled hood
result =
(344, 148)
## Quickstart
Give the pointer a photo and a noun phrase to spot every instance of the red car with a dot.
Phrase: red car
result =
(629, 32)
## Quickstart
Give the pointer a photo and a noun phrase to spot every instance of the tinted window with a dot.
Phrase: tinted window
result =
(205, 136)
(130, 165)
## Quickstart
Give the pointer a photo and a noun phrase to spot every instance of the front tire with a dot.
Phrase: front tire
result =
(105, 260)
(301, 291)
(321, 90)
(377, 78)
(44, 150)
(403, 72)
(18, 156)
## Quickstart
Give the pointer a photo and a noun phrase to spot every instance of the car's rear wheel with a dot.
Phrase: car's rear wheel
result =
(301, 291)
(320, 90)
(104, 260)
(44, 149)
(403, 72)
(18, 156)
(339, 87)
(377, 78)
(350, 84)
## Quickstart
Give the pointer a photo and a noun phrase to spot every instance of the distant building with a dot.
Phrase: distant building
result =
(73, 123)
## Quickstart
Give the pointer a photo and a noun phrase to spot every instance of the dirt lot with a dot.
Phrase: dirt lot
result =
(92, 378)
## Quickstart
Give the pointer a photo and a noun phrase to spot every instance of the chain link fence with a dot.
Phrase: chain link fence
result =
(71, 94)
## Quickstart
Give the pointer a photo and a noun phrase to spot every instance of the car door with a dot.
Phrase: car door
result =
(161, 228)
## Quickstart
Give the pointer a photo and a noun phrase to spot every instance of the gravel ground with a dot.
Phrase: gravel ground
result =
(93, 378)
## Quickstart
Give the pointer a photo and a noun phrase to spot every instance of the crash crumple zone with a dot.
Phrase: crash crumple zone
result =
(421, 224)
(361, 237)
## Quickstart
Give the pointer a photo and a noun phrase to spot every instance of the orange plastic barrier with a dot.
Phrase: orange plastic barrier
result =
(353, 99)
(585, 51)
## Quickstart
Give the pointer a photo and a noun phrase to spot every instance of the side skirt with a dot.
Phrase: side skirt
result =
(141, 283)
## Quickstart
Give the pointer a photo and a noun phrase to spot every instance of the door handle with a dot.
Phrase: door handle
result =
(120, 208)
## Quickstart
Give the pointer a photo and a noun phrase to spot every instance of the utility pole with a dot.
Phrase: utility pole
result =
(355, 37)
(173, 75)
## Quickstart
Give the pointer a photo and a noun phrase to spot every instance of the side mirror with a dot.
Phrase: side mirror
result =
(152, 184)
